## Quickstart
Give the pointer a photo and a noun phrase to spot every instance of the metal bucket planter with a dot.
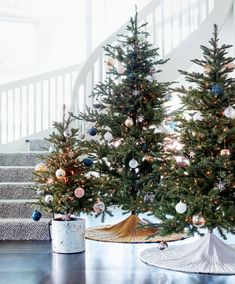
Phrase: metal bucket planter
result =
(68, 236)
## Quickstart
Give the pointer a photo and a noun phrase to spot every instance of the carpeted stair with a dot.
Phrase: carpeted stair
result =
(16, 198)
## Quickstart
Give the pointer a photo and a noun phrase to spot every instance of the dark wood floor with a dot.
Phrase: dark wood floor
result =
(32, 262)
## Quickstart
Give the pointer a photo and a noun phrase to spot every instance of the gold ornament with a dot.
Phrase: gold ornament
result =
(198, 220)
(225, 152)
(129, 122)
(41, 167)
(60, 173)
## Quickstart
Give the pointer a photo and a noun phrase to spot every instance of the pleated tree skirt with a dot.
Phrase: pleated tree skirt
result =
(208, 255)
(129, 231)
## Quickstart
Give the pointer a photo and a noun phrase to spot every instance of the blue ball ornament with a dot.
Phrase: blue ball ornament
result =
(36, 215)
(88, 162)
(145, 147)
(217, 89)
(92, 131)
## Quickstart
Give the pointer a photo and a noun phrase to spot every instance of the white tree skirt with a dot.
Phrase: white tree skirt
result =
(208, 255)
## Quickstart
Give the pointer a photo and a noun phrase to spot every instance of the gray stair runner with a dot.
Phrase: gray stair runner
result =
(17, 198)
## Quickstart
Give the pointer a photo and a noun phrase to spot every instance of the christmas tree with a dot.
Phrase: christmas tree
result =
(202, 179)
(65, 184)
(199, 190)
(129, 122)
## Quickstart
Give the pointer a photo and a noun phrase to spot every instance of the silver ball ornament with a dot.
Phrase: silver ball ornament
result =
(48, 198)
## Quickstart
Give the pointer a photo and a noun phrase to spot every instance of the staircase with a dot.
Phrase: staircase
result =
(17, 196)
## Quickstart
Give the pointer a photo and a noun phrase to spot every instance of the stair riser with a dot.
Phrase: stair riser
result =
(24, 231)
(17, 192)
(19, 159)
(39, 145)
(17, 210)
(16, 174)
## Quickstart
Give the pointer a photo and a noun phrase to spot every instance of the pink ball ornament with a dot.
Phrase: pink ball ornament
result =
(121, 70)
(79, 192)
(99, 207)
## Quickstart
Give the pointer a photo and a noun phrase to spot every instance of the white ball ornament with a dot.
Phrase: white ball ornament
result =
(180, 207)
(121, 70)
(48, 198)
(60, 173)
(229, 112)
(129, 122)
(79, 192)
(133, 164)
(108, 136)
(67, 133)
(99, 207)
(81, 136)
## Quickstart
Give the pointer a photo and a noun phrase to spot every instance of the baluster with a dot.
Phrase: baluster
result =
(13, 113)
(1, 118)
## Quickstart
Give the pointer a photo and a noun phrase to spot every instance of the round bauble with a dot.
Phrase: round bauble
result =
(133, 164)
(67, 133)
(99, 207)
(225, 152)
(217, 90)
(92, 131)
(41, 167)
(172, 125)
(121, 69)
(198, 220)
(152, 70)
(108, 136)
(149, 198)
(48, 198)
(79, 192)
(88, 162)
(60, 173)
(229, 112)
(36, 215)
(81, 136)
(52, 149)
(162, 245)
(181, 207)
(129, 122)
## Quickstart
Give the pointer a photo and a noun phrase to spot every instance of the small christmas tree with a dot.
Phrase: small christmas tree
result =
(129, 122)
(199, 190)
(65, 183)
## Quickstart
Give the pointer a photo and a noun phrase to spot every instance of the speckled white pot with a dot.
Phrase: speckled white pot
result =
(68, 236)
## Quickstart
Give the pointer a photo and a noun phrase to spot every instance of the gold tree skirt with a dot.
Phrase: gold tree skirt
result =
(129, 231)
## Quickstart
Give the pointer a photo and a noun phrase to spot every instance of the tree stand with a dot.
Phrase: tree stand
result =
(129, 231)
(208, 255)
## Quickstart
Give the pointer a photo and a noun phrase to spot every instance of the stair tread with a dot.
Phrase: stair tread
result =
(25, 220)
(17, 200)
(17, 167)
(17, 183)
(23, 152)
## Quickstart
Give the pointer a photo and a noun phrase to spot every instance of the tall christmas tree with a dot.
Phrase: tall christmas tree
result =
(129, 123)
(64, 183)
(199, 190)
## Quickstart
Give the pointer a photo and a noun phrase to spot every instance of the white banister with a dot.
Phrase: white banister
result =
(30, 105)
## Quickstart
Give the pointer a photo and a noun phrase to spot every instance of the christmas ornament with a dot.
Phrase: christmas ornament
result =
(207, 69)
(145, 147)
(133, 164)
(41, 167)
(52, 149)
(129, 122)
(60, 173)
(108, 136)
(40, 191)
(229, 112)
(81, 136)
(135, 93)
(92, 131)
(162, 245)
(225, 152)
(50, 181)
(88, 162)
(67, 133)
(152, 70)
(141, 37)
(217, 89)
(70, 154)
(182, 161)
(180, 207)
(192, 155)
(48, 198)
(220, 185)
(36, 215)
(79, 192)
(230, 66)
(149, 198)
(121, 69)
(198, 220)
(99, 207)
